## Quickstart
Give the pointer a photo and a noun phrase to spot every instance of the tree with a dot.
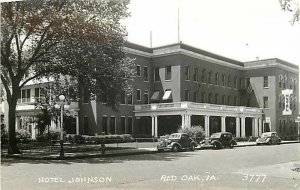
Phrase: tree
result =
(78, 38)
(293, 7)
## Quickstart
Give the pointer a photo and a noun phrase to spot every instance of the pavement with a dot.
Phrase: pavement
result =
(121, 149)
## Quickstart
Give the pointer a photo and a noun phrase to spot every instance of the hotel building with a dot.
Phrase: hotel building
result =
(178, 86)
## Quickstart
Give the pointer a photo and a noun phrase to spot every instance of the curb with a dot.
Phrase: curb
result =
(18, 156)
(105, 155)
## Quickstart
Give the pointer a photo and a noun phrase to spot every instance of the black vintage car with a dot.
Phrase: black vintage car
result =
(219, 140)
(176, 142)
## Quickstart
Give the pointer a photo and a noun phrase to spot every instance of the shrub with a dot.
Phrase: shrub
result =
(193, 131)
(54, 134)
(22, 135)
(99, 139)
(4, 135)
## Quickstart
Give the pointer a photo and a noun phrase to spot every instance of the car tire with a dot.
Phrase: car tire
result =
(270, 142)
(175, 148)
(160, 150)
(231, 145)
(193, 147)
(217, 146)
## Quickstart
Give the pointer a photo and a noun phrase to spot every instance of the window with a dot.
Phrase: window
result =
(112, 128)
(229, 100)
(138, 95)
(291, 83)
(223, 80)
(123, 97)
(217, 78)
(146, 97)
(284, 81)
(168, 73)
(210, 77)
(210, 98)
(203, 75)
(156, 74)
(196, 96)
(280, 101)
(235, 101)
(196, 74)
(235, 82)
(241, 83)
(129, 98)
(203, 97)
(216, 98)
(223, 99)
(123, 125)
(241, 101)
(37, 92)
(228, 81)
(186, 95)
(104, 124)
(295, 84)
(266, 81)
(280, 124)
(138, 70)
(266, 101)
(146, 75)
(25, 95)
(187, 72)
(129, 125)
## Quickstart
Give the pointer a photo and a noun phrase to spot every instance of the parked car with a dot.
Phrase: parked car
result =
(268, 138)
(177, 142)
(219, 140)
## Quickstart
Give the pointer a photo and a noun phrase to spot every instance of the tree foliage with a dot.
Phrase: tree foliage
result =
(293, 7)
(79, 38)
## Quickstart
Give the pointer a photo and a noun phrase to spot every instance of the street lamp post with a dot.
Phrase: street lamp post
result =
(62, 103)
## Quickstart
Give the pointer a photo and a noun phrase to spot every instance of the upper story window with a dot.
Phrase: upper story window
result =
(138, 95)
(203, 75)
(223, 80)
(266, 81)
(216, 98)
(235, 82)
(217, 78)
(210, 77)
(146, 74)
(24, 96)
(291, 83)
(146, 97)
(229, 81)
(284, 81)
(295, 84)
(138, 70)
(223, 99)
(156, 74)
(196, 74)
(235, 101)
(241, 83)
(168, 73)
(123, 97)
(202, 97)
(196, 96)
(210, 98)
(266, 101)
(229, 100)
(187, 72)
(129, 98)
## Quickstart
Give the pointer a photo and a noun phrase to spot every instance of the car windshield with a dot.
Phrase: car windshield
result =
(215, 135)
(266, 135)
(174, 136)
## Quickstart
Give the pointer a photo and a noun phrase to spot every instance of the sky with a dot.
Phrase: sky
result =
(239, 29)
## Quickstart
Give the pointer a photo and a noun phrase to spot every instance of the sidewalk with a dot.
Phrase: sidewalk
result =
(122, 150)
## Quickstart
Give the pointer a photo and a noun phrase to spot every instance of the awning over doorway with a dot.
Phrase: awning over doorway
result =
(167, 95)
(155, 95)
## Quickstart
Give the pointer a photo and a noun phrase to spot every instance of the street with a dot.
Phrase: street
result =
(255, 167)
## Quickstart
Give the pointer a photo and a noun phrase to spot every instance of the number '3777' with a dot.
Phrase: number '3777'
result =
(254, 178)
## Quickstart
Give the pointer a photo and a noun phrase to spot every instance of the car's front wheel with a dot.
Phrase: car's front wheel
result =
(175, 148)
(231, 145)
(193, 147)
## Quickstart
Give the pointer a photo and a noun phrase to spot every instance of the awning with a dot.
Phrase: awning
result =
(167, 95)
(155, 95)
